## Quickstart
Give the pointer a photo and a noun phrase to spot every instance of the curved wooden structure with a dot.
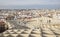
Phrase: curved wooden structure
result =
(3, 26)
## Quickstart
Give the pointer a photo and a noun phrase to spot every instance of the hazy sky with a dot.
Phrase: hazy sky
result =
(29, 4)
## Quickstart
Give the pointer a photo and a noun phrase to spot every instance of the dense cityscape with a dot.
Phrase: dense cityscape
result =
(30, 22)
